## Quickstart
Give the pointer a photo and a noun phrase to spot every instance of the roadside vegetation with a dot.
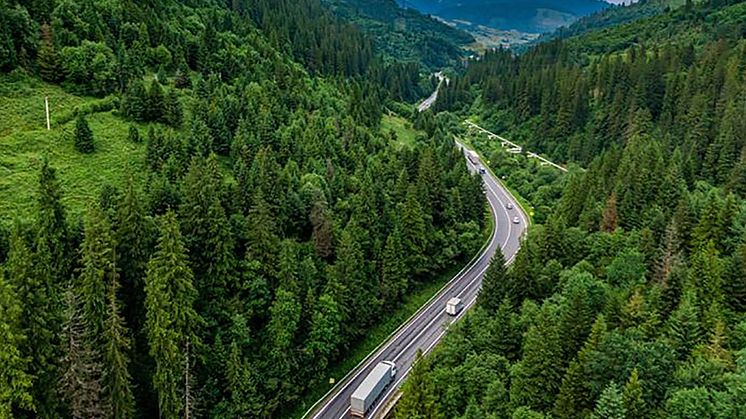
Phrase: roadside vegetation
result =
(629, 299)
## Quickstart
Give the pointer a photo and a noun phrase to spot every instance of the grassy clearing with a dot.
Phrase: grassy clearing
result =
(406, 135)
(25, 142)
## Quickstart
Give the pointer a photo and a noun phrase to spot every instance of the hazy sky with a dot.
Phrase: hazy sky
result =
(621, 1)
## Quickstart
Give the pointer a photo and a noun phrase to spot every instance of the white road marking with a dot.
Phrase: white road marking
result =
(437, 318)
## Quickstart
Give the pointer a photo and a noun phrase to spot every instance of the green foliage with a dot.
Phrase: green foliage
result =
(83, 136)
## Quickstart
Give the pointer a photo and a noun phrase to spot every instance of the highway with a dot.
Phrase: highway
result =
(427, 103)
(426, 327)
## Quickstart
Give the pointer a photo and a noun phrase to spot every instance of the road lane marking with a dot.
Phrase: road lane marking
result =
(453, 284)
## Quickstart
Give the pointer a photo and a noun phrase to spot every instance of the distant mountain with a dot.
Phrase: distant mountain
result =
(532, 16)
(405, 34)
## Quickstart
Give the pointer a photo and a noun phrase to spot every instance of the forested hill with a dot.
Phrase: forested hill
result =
(264, 226)
(629, 301)
(614, 16)
(405, 34)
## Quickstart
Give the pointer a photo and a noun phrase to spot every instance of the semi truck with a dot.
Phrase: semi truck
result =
(473, 157)
(454, 306)
(371, 388)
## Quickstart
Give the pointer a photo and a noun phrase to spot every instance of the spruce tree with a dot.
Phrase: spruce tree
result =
(134, 135)
(47, 58)
(419, 400)
(394, 275)
(634, 404)
(171, 321)
(83, 136)
(15, 382)
(155, 103)
(116, 377)
(494, 283)
(172, 112)
(81, 384)
(611, 404)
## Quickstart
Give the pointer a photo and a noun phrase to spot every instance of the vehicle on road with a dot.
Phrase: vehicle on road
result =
(454, 306)
(509, 205)
(516, 220)
(482, 170)
(371, 388)
(473, 157)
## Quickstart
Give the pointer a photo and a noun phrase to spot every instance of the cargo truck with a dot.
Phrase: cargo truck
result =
(454, 306)
(371, 388)
(473, 157)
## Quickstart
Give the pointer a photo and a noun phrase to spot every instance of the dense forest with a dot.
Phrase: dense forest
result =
(629, 300)
(405, 34)
(273, 223)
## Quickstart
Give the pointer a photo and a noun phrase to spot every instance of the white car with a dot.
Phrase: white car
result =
(516, 220)
(509, 205)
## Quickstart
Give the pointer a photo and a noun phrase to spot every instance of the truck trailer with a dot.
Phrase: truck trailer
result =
(473, 157)
(454, 306)
(371, 388)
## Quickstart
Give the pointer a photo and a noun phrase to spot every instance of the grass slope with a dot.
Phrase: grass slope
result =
(25, 142)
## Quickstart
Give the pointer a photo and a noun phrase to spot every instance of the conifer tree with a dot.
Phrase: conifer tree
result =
(394, 275)
(155, 103)
(15, 382)
(83, 136)
(537, 377)
(171, 322)
(611, 404)
(134, 135)
(419, 400)
(116, 377)
(172, 112)
(81, 384)
(48, 59)
(684, 327)
(494, 283)
(634, 404)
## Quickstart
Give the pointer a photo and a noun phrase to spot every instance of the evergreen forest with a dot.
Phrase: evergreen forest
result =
(628, 298)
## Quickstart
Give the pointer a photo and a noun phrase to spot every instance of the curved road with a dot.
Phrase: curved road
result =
(429, 324)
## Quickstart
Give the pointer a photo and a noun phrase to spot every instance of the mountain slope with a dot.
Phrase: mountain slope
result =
(533, 16)
(405, 34)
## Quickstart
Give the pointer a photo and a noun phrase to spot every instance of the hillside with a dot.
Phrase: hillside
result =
(534, 16)
(198, 232)
(405, 34)
(614, 16)
(628, 300)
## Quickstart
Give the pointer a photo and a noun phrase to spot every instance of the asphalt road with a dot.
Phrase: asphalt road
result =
(427, 103)
(427, 326)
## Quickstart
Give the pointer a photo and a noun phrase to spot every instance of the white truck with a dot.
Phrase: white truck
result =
(371, 388)
(454, 306)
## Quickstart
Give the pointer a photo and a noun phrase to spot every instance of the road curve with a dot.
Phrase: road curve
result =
(425, 329)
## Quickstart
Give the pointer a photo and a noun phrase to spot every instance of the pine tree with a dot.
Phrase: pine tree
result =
(98, 271)
(634, 404)
(155, 103)
(83, 136)
(134, 104)
(81, 383)
(134, 135)
(394, 274)
(419, 400)
(611, 404)
(171, 322)
(537, 377)
(494, 283)
(116, 377)
(47, 58)
(414, 233)
(684, 327)
(38, 277)
(172, 112)
(15, 382)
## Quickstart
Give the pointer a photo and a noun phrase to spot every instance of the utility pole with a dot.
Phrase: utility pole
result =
(46, 106)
